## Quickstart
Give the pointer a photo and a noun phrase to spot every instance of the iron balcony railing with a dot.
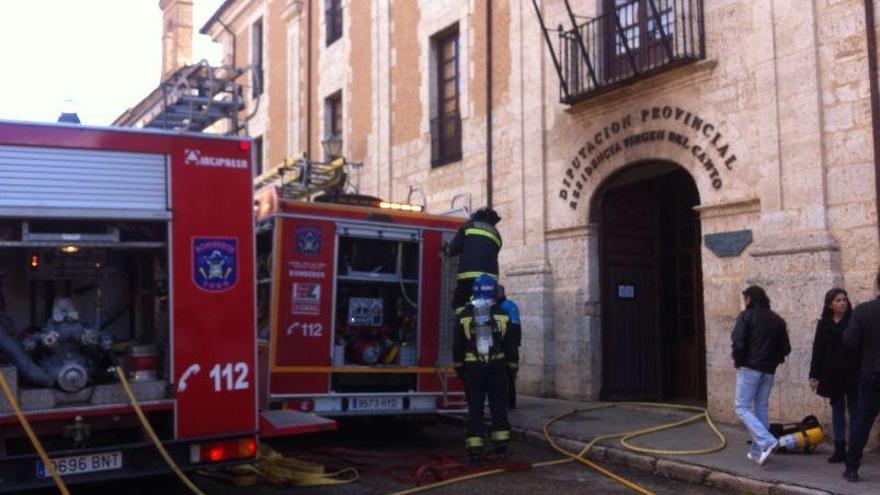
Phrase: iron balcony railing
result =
(634, 39)
(445, 139)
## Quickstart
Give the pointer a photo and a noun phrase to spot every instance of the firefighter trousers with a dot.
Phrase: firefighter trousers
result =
(462, 294)
(482, 380)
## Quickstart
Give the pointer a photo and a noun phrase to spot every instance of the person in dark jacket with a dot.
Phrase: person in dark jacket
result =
(512, 310)
(477, 244)
(760, 344)
(863, 334)
(484, 347)
(834, 368)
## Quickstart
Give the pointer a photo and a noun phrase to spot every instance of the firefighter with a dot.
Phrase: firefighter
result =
(511, 310)
(484, 348)
(476, 243)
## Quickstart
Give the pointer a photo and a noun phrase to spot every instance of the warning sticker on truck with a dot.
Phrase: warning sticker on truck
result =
(306, 299)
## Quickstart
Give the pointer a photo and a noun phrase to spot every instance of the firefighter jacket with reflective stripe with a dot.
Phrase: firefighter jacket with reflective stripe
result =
(477, 245)
(505, 339)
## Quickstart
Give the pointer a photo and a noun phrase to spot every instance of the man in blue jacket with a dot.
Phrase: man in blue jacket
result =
(512, 310)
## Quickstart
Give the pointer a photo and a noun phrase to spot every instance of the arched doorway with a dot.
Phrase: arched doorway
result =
(653, 333)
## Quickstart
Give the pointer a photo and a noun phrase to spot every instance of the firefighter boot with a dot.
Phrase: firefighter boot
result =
(839, 453)
(501, 454)
(474, 446)
(475, 457)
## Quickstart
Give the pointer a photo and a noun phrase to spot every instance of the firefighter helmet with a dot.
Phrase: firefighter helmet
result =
(486, 214)
(484, 287)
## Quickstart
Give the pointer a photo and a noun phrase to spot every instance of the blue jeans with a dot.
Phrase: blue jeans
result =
(752, 406)
(839, 406)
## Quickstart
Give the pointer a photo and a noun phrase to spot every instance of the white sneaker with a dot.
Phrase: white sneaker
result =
(766, 453)
(751, 456)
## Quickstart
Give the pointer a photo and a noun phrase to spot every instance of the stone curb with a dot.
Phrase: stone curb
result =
(681, 471)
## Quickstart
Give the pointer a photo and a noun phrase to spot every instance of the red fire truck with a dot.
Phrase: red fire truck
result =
(134, 248)
(354, 304)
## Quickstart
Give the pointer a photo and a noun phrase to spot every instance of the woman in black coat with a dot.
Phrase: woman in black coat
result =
(834, 369)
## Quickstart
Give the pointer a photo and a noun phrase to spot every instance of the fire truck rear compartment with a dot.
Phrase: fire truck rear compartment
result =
(377, 300)
(79, 297)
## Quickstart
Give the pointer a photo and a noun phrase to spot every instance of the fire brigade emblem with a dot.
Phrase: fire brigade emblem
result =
(215, 263)
(308, 241)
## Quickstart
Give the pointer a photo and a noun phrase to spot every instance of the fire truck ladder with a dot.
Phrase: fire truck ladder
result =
(300, 178)
(191, 99)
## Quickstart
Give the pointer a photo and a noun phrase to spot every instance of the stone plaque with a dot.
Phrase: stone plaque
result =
(727, 244)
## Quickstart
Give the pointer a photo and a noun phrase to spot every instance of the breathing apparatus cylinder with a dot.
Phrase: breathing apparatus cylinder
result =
(482, 326)
(484, 298)
(805, 440)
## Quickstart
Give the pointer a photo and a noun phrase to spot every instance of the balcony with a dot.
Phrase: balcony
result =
(630, 41)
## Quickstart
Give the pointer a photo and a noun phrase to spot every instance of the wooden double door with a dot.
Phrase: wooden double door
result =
(653, 333)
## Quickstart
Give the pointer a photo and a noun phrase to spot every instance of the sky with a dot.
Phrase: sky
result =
(99, 56)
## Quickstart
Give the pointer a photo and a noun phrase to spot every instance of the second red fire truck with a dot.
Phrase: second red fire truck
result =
(354, 309)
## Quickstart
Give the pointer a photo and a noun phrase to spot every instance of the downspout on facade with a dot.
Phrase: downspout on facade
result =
(489, 103)
(309, 82)
(870, 28)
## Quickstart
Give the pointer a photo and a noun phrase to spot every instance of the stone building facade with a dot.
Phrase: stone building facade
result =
(724, 143)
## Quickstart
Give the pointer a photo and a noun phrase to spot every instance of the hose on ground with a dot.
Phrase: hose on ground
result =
(625, 440)
(152, 434)
(33, 438)
(277, 469)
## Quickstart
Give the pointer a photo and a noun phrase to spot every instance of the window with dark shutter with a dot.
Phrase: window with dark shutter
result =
(333, 116)
(258, 156)
(446, 123)
(257, 58)
(333, 20)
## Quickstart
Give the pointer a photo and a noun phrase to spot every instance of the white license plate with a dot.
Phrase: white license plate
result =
(79, 464)
(375, 404)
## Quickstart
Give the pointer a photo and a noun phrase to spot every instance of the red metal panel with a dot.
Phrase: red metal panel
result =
(384, 216)
(214, 337)
(304, 305)
(432, 242)
(106, 138)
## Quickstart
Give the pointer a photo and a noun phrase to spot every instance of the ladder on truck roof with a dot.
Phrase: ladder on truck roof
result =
(300, 178)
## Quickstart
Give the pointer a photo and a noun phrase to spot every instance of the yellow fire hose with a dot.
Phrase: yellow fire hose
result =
(280, 470)
(30, 433)
(625, 438)
(152, 434)
(270, 465)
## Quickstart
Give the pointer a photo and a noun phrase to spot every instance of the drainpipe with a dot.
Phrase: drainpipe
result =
(232, 35)
(875, 99)
(235, 116)
(309, 84)
(489, 103)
